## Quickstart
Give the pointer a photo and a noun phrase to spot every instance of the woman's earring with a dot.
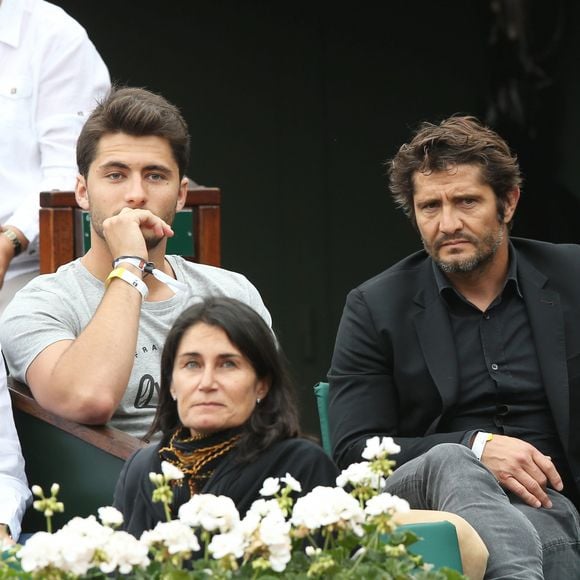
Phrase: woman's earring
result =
(258, 401)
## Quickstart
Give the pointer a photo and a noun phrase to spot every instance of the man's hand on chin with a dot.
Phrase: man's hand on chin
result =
(522, 469)
(124, 231)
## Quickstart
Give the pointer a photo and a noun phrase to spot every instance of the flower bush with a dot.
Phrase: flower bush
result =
(332, 532)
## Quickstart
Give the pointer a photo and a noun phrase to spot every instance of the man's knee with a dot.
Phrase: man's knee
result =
(451, 464)
(450, 453)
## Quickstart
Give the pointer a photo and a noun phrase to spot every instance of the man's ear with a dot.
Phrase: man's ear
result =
(511, 202)
(182, 196)
(81, 193)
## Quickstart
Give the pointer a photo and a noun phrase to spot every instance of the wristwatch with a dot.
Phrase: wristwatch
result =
(14, 239)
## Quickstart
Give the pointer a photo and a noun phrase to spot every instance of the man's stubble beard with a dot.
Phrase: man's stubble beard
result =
(150, 242)
(486, 249)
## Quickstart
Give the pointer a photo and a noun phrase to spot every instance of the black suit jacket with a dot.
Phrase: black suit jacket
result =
(395, 370)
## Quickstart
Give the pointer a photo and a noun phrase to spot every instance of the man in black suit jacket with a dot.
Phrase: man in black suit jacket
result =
(468, 354)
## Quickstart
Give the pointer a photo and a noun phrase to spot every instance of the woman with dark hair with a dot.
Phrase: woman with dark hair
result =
(226, 414)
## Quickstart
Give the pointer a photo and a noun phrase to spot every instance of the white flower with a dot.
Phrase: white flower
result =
(211, 512)
(271, 486)
(77, 551)
(377, 448)
(232, 542)
(292, 483)
(274, 533)
(386, 503)
(324, 506)
(79, 540)
(40, 551)
(360, 474)
(175, 535)
(37, 490)
(267, 532)
(88, 527)
(110, 516)
(311, 551)
(170, 471)
(71, 549)
(123, 552)
(263, 507)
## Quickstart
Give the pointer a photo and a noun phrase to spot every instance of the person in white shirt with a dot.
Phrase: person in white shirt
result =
(14, 492)
(51, 76)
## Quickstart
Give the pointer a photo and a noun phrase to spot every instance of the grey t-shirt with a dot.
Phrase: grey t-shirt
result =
(58, 306)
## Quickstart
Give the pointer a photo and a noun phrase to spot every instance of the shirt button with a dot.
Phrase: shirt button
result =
(494, 367)
(486, 316)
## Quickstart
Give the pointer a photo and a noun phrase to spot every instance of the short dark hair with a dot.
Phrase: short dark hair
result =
(457, 140)
(276, 417)
(137, 112)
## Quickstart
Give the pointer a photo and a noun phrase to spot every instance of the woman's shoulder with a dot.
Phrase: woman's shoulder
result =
(300, 444)
(143, 459)
(302, 457)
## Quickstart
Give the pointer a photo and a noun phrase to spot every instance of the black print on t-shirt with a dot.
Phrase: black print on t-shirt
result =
(148, 388)
(143, 349)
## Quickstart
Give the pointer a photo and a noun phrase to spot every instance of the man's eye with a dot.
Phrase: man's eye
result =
(468, 201)
(115, 176)
(156, 177)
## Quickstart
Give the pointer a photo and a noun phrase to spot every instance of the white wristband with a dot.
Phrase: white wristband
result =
(130, 278)
(480, 442)
(149, 268)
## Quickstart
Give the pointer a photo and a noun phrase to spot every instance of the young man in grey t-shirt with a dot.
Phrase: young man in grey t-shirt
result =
(87, 339)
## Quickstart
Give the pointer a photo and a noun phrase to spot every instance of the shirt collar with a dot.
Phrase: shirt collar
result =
(511, 278)
(11, 17)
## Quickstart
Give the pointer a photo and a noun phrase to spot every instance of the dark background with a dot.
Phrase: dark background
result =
(293, 108)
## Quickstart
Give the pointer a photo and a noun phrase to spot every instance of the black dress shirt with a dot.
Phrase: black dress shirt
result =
(501, 389)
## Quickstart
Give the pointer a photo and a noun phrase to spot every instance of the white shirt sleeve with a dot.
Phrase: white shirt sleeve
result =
(74, 76)
(14, 492)
(51, 78)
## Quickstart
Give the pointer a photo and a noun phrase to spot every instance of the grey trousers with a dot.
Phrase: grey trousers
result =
(523, 542)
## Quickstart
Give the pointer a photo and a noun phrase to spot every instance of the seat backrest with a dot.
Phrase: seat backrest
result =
(438, 542)
(321, 394)
(64, 228)
(84, 460)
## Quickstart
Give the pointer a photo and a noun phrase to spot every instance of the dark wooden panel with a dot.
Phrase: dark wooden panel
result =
(84, 460)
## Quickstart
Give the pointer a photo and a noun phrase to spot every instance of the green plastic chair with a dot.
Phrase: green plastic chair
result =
(438, 543)
(321, 394)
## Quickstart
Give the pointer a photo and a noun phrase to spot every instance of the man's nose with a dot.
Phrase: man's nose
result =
(450, 221)
(136, 194)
